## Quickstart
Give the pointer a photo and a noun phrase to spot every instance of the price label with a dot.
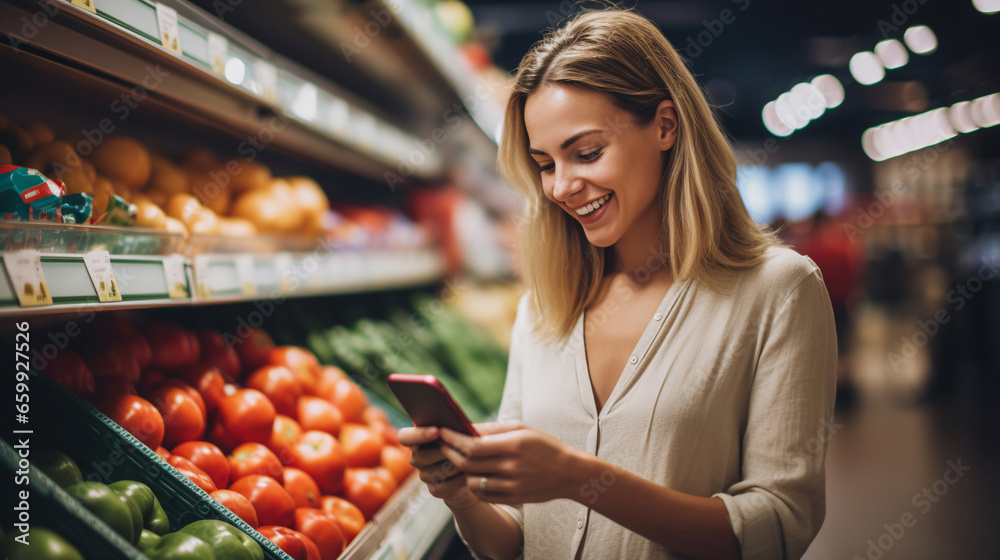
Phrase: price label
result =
(173, 270)
(170, 29)
(202, 276)
(24, 268)
(85, 4)
(244, 274)
(267, 76)
(218, 53)
(283, 268)
(99, 267)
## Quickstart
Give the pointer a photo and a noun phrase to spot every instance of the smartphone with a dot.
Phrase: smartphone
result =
(428, 403)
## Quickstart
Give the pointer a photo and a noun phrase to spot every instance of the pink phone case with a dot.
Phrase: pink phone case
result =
(428, 403)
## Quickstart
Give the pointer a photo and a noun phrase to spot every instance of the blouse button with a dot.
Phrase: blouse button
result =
(579, 524)
(658, 316)
(633, 359)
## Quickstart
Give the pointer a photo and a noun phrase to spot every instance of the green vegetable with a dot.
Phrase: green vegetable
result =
(57, 466)
(43, 544)
(107, 506)
(226, 541)
(151, 514)
(148, 540)
(157, 521)
(181, 546)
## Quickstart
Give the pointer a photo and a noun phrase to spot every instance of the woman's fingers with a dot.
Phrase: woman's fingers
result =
(425, 456)
(487, 428)
(417, 435)
(471, 465)
(483, 446)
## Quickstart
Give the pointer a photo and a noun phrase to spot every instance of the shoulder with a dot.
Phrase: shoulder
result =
(783, 269)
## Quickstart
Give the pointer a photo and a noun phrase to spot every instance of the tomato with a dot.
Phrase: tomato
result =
(215, 352)
(162, 452)
(302, 488)
(238, 504)
(255, 458)
(349, 398)
(208, 458)
(207, 380)
(362, 445)
(283, 437)
(150, 378)
(190, 470)
(368, 488)
(301, 362)
(315, 413)
(172, 346)
(396, 460)
(294, 543)
(111, 386)
(375, 415)
(323, 529)
(379, 423)
(246, 415)
(141, 349)
(273, 505)
(253, 349)
(191, 392)
(116, 359)
(135, 415)
(348, 516)
(328, 377)
(322, 457)
(69, 369)
(183, 416)
(279, 384)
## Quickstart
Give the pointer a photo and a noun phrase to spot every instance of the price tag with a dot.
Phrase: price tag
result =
(173, 269)
(244, 274)
(170, 29)
(202, 276)
(24, 268)
(283, 268)
(99, 267)
(218, 53)
(85, 4)
(267, 76)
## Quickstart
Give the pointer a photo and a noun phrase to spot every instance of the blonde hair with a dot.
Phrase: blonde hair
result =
(623, 55)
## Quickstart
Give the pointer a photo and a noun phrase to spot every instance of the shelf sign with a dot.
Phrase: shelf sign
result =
(170, 30)
(267, 77)
(283, 266)
(99, 267)
(24, 268)
(173, 269)
(218, 53)
(244, 274)
(85, 4)
(202, 276)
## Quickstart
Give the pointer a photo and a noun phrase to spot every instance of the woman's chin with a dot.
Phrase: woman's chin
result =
(600, 239)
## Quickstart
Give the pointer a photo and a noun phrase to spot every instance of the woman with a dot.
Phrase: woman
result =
(671, 368)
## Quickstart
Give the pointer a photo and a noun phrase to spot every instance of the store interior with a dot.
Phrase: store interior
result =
(321, 174)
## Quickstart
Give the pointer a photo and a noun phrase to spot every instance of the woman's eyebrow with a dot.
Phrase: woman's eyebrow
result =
(569, 141)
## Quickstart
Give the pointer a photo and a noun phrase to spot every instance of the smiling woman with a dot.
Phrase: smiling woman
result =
(670, 366)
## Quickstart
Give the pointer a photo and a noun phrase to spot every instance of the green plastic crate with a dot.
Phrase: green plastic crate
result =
(105, 452)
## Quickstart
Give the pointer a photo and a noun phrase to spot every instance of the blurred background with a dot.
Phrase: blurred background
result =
(865, 131)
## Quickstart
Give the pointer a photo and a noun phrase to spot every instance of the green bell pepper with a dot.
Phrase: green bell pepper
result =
(227, 541)
(152, 516)
(43, 544)
(180, 546)
(148, 540)
(106, 505)
(157, 521)
(57, 466)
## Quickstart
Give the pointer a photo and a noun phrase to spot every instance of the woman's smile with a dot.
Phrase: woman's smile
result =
(594, 211)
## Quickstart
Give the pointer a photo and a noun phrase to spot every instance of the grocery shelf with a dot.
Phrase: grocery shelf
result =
(217, 75)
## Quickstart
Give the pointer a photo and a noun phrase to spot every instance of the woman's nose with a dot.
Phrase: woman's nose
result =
(566, 185)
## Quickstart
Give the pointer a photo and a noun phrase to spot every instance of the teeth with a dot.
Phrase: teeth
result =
(593, 206)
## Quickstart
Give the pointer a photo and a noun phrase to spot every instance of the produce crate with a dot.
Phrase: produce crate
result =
(51, 507)
(105, 453)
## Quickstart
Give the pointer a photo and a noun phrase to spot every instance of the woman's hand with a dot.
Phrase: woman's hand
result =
(442, 478)
(521, 465)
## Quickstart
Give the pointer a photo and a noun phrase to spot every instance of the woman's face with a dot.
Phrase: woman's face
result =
(595, 164)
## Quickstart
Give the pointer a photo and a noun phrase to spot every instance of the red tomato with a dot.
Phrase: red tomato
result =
(69, 369)
(302, 488)
(349, 398)
(375, 415)
(321, 456)
(273, 505)
(396, 460)
(348, 516)
(368, 488)
(253, 349)
(283, 437)
(294, 543)
(362, 445)
(301, 362)
(150, 379)
(207, 381)
(116, 359)
(190, 390)
(323, 529)
(246, 415)
(208, 458)
(379, 423)
(135, 415)
(238, 504)
(162, 452)
(255, 458)
(315, 413)
(111, 386)
(183, 416)
(190, 470)
(279, 384)
(215, 352)
(328, 377)
(141, 349)
(172, 346)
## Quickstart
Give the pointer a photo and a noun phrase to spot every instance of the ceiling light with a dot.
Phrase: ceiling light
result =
(892, 53)
(960, 115)
(866, 68)
(831, 88)
(772, 123)
(236, 71)
(987, 6)
(920, 39)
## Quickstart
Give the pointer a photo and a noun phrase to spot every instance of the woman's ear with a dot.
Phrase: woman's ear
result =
(666, 125)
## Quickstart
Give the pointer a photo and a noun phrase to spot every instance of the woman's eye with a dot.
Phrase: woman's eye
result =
(547, 168)
(591, 155)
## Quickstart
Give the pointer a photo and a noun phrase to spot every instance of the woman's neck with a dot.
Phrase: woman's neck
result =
(639, 253)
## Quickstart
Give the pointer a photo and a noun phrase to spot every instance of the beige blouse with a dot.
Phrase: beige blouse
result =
(727, 393)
